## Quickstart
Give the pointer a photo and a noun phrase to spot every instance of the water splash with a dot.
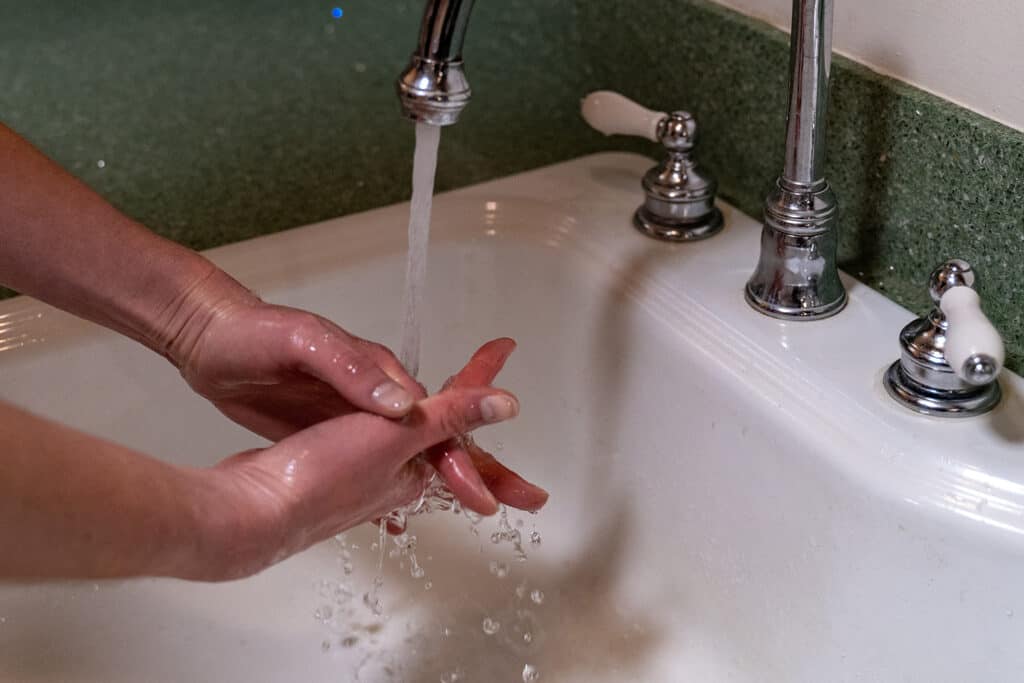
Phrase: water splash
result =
(506, 533)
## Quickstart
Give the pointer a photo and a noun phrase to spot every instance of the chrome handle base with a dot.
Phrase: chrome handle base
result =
(939, 402)
(922, 379)
(679, 204)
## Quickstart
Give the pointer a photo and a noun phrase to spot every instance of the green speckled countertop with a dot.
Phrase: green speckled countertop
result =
(221, 121)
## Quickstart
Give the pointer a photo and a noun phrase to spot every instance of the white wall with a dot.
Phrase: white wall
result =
(967, 51)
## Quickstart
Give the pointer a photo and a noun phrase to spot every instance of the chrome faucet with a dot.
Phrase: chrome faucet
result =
(433, 88)
(796, 277)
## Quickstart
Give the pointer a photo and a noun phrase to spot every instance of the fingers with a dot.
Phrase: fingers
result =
(388, 362)
(454, 466)
(504, 484)
(485, 364)
(473, 474)
(355, 369)
(457, 411)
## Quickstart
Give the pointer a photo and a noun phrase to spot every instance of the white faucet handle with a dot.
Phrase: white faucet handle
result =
(613, 114)
(974, 348)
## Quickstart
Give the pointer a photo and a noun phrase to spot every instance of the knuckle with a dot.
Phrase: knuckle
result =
(383, 351)
(453, 419)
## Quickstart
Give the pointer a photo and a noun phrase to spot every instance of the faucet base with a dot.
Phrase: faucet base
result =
(796, 276)
(939, 402)
(659, 227)
(773, 309)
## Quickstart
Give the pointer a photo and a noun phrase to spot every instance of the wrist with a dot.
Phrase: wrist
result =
(238, 524)
(179, 325)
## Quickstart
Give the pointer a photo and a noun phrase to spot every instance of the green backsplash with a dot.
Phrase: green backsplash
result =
(222, 121)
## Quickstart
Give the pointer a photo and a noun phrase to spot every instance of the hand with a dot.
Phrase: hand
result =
(277, 370)
(273, 502)
(475, 476)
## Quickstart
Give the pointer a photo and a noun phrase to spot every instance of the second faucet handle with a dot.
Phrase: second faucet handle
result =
(950, 358)
(680, 195)
(974, 347)
(614, 114)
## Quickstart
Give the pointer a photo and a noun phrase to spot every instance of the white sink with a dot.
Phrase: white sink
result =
(733, 498)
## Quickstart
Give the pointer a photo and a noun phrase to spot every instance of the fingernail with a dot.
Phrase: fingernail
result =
(498, 408)
(392, 396)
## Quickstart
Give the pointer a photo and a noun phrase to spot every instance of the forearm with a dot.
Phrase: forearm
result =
(73, 505)
(64, 244)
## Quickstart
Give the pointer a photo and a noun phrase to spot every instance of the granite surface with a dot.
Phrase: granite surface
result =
(215, 122)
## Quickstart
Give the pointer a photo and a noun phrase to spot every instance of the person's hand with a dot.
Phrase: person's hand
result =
(475, 476)
(276, 370)
(273, 502)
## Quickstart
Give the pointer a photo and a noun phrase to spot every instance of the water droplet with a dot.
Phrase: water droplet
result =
(352, 368)
(101, 163)
(490, 626)
(374, 603)
(537, 596)
(535, 538)
(324, 613)
(312, 347)
(350, 641)
(446, 632)
(527, 637)
(428, 585)
(530, 673)
(451, 677)
(499, 569)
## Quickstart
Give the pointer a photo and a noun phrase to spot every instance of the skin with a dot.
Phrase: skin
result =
(346, 420)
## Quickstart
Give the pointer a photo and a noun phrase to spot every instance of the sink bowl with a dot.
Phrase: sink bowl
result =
(733, 498)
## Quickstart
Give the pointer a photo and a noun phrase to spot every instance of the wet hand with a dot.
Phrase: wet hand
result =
(475, 476)
(277, 370)
(273, 502)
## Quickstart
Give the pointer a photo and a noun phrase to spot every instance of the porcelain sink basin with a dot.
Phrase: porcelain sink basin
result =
(734, 498)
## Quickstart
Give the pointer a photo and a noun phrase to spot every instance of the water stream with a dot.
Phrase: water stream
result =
(436, 497)
(424, 165)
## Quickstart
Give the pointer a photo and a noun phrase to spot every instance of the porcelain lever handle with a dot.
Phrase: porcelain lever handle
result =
(974, 348)
(613, 114)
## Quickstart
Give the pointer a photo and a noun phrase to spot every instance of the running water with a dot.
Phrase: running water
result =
(436, 496)
(424, 164)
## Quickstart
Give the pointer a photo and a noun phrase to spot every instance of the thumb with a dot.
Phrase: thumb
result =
(456, 411)
(357, 376)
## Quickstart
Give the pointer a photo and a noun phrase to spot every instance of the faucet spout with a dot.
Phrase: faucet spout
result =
(810, 61)
(796, 276)
(433, 88)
